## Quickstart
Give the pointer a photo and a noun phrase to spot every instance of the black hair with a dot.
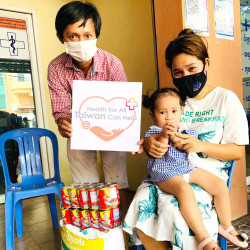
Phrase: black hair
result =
(73, 12)
(189, 43)
(149, 101)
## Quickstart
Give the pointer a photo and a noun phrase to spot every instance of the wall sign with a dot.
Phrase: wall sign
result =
(197, 16)
(13, 39)
(224, 19)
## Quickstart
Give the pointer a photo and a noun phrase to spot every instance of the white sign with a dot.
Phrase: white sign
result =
(224, 19)
(106, 115)
(245, 50)
(197, 16)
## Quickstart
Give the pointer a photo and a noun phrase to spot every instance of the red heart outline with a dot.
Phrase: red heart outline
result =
(100, 132)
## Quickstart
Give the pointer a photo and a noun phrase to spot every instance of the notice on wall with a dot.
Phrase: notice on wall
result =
(197, 16)
(245, 46)
(13, 39)
(106, 115)
(224, 19)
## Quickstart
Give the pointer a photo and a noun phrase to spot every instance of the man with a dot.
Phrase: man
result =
(78, 27)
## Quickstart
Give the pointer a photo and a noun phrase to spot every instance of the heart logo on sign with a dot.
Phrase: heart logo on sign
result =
(107, 119)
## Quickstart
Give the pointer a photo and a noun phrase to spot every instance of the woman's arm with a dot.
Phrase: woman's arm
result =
(227, 152)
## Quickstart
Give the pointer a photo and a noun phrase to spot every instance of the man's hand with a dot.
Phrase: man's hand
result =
(64, 127)
(140, 143)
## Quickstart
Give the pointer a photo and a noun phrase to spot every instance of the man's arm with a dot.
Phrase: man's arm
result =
(60, 96)
(117, 71)
(60, 102)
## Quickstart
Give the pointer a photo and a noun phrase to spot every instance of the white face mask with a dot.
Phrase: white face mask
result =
(81, 51)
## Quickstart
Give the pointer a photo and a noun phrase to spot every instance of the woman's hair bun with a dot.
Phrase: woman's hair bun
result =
(186, 32)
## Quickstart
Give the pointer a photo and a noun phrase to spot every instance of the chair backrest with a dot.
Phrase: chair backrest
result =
(30, 157)
(230, 175)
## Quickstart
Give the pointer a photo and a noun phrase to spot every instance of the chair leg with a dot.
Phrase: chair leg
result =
(53, 210)
(19, 218)
(9, 221)
(139, 247)
(222, 243)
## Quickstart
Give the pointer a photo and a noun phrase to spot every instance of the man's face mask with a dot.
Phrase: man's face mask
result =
(81, 51)
(191, 85)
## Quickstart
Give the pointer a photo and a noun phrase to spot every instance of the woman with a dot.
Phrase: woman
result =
(220, 121)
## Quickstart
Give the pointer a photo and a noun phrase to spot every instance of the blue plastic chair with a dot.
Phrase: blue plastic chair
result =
(33, 182)
(222, 241)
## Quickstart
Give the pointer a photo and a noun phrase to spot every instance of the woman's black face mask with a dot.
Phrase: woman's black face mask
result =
(191, 85)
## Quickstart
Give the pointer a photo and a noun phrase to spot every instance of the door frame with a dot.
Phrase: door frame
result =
(38, 85)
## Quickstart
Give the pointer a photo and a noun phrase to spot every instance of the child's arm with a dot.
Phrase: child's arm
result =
(164, 137)
(171, 130)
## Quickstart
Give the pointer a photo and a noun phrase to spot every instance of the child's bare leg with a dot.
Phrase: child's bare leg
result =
(217, 187)
(188, 206)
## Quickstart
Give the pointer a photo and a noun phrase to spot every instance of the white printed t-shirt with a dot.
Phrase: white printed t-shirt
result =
(217, 118)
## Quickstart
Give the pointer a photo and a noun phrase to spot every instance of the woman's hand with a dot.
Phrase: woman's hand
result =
(188, 143)
(64, 127)
(153, 147)
(226, 152)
